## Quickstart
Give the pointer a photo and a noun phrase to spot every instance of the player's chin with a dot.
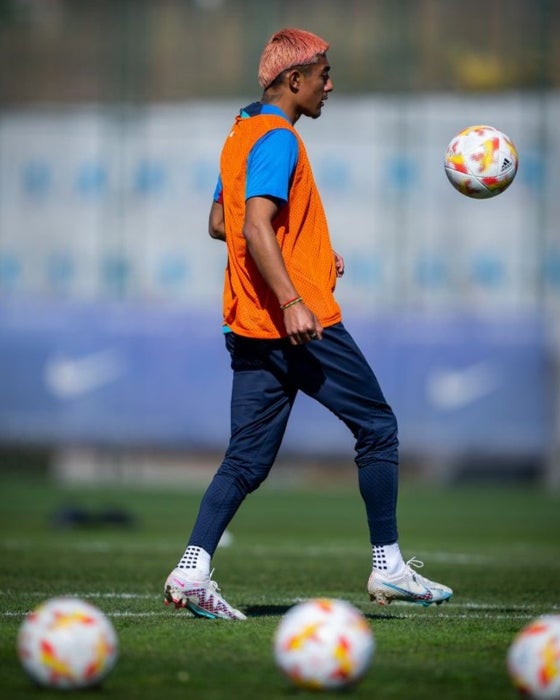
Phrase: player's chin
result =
(317, 113)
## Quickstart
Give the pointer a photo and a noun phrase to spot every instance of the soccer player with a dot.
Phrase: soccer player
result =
(283, 329)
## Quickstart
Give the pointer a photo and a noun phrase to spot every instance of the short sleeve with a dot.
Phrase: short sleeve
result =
(218, 192)
(270, 165)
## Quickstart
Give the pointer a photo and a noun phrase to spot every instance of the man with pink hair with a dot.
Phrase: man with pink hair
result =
(283, 329)
(287, 49)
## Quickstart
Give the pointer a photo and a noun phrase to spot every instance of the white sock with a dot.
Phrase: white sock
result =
(196, 560)
(388, 558)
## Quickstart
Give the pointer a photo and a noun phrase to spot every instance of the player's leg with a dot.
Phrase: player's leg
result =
(260, 407)
(335, 373)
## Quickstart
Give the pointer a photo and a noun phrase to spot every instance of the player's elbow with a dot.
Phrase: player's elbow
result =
(218, 233)
(250, 234)
(216, 222)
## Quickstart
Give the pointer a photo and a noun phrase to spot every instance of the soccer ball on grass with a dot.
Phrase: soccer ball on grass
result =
(481, 162)
(533, 659)
(67, 643)
(323, 644)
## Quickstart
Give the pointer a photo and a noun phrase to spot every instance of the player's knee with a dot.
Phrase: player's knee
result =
(379, 439)
(248, 476)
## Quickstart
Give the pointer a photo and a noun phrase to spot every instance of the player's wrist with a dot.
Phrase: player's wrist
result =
(290, 302)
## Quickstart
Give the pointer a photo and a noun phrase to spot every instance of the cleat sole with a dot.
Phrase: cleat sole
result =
(382, 599)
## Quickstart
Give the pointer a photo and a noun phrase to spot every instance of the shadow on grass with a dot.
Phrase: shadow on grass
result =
(279, 610)
(383, 616)
(266, 610)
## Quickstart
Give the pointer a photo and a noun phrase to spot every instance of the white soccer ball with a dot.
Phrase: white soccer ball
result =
(323, 643)
(533, 659)
(481, 162)
(67, 643)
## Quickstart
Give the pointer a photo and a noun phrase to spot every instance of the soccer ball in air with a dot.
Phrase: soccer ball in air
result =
(323, 644)
(67, 643)
(481, 162)
(533, 659)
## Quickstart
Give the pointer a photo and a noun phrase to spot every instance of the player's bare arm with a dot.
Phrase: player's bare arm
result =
(216, 225)
(301, 323)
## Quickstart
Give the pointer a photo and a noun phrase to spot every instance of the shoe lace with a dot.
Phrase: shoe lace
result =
(416, 563)
(214, 584)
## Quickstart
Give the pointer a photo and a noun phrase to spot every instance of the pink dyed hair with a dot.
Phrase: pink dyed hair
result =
(286, 49)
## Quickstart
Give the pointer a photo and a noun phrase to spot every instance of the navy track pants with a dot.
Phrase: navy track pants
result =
(267, 374)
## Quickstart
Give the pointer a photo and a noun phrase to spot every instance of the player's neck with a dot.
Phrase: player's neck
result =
(280, 100)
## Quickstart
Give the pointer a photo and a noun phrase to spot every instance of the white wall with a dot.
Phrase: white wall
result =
(101, 204)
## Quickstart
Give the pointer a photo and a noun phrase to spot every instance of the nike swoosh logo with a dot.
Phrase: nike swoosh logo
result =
(410, 594)
(453, 389)
(72, 377)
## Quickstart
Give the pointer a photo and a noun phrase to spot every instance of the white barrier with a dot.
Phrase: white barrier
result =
(96, 203)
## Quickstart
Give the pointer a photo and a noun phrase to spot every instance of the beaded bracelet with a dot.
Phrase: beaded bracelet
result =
(287, 305)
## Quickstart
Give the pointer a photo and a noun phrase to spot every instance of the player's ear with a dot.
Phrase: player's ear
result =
(294, 78)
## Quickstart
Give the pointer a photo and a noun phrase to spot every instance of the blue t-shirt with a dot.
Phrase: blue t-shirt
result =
(271, 162)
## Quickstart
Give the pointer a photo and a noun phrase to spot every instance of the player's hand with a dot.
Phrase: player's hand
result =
(339, 264)
(302, 325)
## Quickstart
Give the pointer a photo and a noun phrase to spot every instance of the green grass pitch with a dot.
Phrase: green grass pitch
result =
(498, 547)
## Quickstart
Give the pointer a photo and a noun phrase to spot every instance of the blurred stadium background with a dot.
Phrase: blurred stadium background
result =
(112, 116)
